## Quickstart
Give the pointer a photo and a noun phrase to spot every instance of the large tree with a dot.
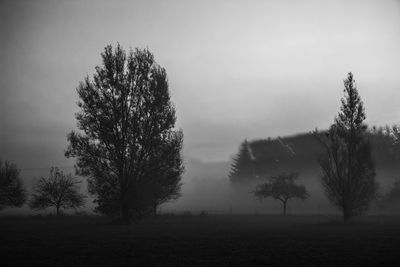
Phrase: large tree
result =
(12, 193)
(127, 140)
(59, 190)
(283, 188)
(348, 171)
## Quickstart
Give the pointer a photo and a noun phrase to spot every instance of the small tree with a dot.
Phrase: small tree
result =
(283, 188)
(12, 193)
(58, 190)
(348, 171)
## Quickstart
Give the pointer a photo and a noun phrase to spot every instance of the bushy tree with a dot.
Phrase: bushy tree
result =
(127, 147)
(12, 193)
(59, 190)
(242, 168)
(283, 188)
(348, 171)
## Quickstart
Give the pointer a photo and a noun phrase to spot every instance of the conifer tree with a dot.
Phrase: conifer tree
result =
(242, 167)
(348, 171)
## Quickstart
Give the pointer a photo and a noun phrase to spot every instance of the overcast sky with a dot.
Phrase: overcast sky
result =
(237, 69)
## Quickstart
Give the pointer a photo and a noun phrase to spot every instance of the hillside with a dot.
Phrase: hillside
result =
(300, 153)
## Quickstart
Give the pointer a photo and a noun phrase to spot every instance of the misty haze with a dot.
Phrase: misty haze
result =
(179, 133)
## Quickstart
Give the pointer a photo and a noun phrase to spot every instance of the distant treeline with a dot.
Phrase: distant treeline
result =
(300, 152)
(348, 154)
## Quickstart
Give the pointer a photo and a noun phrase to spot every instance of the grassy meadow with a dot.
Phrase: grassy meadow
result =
(193, 240)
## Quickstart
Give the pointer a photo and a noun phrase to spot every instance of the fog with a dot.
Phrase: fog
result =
(206, 187)
(236, 70)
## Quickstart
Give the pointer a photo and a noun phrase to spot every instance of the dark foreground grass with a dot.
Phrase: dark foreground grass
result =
(237, 240)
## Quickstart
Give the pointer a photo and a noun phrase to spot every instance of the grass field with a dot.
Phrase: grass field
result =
(240, 240)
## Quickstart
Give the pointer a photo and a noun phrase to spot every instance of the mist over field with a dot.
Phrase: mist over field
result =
(235, 71)
(200, 133)
(207, 186)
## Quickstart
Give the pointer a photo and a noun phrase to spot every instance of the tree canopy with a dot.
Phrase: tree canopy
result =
(127, 145)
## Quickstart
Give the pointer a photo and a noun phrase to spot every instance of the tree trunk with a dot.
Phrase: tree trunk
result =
(58, 210)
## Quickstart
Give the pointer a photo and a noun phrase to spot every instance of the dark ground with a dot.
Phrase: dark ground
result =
(245, 240)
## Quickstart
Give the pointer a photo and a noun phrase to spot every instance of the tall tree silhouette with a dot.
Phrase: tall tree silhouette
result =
(242, 168)
(12, 193)
(348, 171)
(126, 119)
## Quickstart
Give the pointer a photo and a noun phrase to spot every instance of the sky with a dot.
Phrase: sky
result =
(236, 69)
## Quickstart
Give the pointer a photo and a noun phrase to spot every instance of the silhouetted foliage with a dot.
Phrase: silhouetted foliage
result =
(396, 134)
(12, 193)
(348, 171)
(283, 188)
(162, 183)
(129, 148)
(242, 168)
(270, 157)
(58, 190)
